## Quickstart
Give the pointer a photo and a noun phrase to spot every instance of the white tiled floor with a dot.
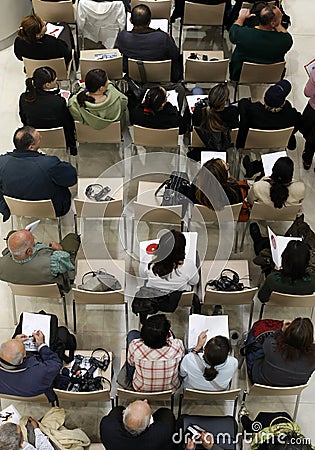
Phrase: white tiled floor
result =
(106, 328)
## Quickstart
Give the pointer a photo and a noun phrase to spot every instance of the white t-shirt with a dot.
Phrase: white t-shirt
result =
(193, 377)
(181, 279)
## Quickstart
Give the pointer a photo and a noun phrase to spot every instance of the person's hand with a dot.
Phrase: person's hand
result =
(55, 246)
(39, 337)
(202, 338)
(207, 440)
(190, 444)
(33, 422)
(21, 337)
(245, 14)
(286, 324)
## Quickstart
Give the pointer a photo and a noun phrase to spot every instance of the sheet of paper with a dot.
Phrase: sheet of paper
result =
(216, 326)
(278, 245)
(10, 414)
(155, 24)
(309, 67)
(269, 159)
(100, 56)
(193, 99)
(32, 226)
(172, 97)
(54, 30)
(34, 322)
(205, 156)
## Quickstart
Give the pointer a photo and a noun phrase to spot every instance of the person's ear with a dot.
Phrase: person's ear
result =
(29, 251)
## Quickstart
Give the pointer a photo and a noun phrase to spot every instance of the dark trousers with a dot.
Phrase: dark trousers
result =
(308, 131)
(130, 370)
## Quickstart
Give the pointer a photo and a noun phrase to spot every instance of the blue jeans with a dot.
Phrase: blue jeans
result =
(130, 370)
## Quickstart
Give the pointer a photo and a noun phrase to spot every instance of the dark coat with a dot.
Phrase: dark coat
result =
(168, 117)
(150, 45)
(30, 175)
(47, 47)
(33, 377)
(49, 110)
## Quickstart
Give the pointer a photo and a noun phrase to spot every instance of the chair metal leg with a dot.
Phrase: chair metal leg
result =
(75, 219)
(243, 237)
(14, 309)
(180, 404)
(59, 229)
(125, 231)
(235, 406)
(132, 234)
(65, 309)
(250, 316)
(74, 315)
(172, 402)
(126, 316)
(180, 36)
(116, 400)
(296, 408)
(261, 311)
(236, 237)
(235, 91)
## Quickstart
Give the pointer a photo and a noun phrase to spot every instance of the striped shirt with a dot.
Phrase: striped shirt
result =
(155, 369)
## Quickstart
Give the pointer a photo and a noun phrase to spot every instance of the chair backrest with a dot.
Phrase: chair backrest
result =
(205, 71)
(113, 66)
(58, 64)
(186, 299)
(200, 212)
(55, 11)
(290, 300)
(155, 71)
(37, 399)
(87, 134)
(89, 208)
(252, 73)
(40, 290)
(272, 139)
(199, 14)
(155, 138)
(30, 208)
(160, 9)
(52, 138)
(213, 297)
(262, 391)
(192, 394)
(197, 142)
(157, 214)
(260, 211)
(124, 394)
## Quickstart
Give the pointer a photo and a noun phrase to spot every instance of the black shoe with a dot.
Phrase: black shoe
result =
(217, 310)
(254, 232)
(292, 143)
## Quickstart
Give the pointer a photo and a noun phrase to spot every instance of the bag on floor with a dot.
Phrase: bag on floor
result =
(176, 190)
(99, 281)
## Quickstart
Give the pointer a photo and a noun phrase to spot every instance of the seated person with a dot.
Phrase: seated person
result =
(99, 104)
(42, 106)
(169, 270)
(286, 357)
(153, 357)
(156, 112)
(292, 277)
(274, 114)
(25, 262)
(279, 189)
(11, 437)
(33, 43)
(28, 377)
(211, 371)
(214, 187)
(214, 119)
(136, 428)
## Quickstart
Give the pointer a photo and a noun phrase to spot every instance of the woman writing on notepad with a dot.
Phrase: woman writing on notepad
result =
(209, 366)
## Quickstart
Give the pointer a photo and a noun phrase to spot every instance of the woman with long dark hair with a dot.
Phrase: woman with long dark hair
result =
(280, 189)
(209, 366)
(99, 104)
(41, 105)
(288, 357)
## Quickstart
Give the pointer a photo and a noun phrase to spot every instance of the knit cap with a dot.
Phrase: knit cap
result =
(275, 96)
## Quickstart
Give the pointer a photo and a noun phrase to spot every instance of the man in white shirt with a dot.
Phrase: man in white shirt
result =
(11, 438)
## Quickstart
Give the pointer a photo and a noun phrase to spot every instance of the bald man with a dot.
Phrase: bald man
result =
(27, 262)
(135, 428)
(27, 377)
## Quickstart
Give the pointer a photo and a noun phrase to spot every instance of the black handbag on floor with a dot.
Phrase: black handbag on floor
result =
(176, 190)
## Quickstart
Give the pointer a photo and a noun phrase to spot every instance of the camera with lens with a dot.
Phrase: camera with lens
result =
(82, 377)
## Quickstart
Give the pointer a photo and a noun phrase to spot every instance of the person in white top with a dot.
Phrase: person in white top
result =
(11, 438)
(211, 371)
(169, 270)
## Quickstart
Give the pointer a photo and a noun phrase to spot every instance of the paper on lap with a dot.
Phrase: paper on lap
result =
(216, 326)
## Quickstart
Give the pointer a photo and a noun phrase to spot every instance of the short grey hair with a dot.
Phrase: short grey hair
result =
(16, 361)
(22, 249)
(10, 438)
(142, 426)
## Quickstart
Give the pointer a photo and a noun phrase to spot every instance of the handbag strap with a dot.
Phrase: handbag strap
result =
(202, 368)
(160, 187)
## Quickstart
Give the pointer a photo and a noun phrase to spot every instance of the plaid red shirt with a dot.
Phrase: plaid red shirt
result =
(155, 369)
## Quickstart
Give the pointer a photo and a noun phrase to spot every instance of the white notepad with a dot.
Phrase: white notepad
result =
(216, 326)
(278, 245)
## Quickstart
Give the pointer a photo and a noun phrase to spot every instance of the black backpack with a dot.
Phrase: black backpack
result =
(61, 340)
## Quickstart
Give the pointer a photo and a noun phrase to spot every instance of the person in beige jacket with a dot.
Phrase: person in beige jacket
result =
(279, 189)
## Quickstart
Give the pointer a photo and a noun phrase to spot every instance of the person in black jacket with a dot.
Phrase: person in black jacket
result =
(41, 105)
(27, 174)
(33, 43)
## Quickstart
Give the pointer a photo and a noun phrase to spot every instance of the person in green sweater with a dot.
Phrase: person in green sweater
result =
(292, 277)
(99, 104)
(266, 44)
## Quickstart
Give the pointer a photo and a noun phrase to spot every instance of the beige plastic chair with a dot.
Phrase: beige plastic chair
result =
(160, 9)
(288, 301)
(198, 71)
(113, 266)
(93, 396)
(37, 399)
(58, 64)
(208, 397)
(108, 135)
(41, 291)
(130, 396)
(153, 71)
(113, 66)
(260, 211)
(199, 14)
(54, 138)
(197, 142)
(42, 209)
(255, 74)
